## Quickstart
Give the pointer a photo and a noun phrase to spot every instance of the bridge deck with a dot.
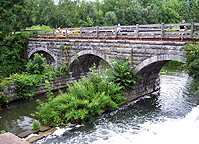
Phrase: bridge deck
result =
(139, 32)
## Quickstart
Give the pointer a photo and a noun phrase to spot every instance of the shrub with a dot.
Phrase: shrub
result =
(25, 84)
(39, 27)
(37, 65)
(12, 54)
(27, 81)
(192, 61)
(122, 74)
(63, 70)
(84, 100)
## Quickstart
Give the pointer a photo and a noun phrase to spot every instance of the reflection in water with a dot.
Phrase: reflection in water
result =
(17, 117)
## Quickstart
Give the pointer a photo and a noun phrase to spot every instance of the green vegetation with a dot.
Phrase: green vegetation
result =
(36, 124)
(16, 15)
(95, 94)
(12, 54)
(37, 72)
(174, 64)
(85, 100)
(122, 74)
(2, 131)
(39, 27)
(192, 61)
(37, 66)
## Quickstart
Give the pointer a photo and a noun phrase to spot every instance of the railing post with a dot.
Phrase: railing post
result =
(31, 33)
(162, 30)
(41, 32)
(137, 30)
(66, 33)
(97, 32)
(81, 32)
(53, 32)
(115, 31)
(192, 26)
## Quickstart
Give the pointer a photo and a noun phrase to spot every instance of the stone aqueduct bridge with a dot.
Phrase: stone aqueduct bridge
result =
(149, 56)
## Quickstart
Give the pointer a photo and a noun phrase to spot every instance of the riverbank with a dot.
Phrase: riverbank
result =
(132, 121)
(174, 101)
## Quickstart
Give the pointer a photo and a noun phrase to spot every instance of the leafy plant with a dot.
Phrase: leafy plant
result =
(36, 124)
(122, 74)
(84, 100)
(192, 61)
(12, 54)
(25, 84)
(37, 65)
(63, 70)
(2, 132)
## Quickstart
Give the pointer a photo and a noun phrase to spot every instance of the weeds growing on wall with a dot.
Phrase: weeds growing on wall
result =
(85, 99)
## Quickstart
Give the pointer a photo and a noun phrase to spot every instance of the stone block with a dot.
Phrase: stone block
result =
(9, 138)
(44, 128)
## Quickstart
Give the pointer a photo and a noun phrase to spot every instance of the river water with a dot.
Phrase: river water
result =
(170, 116)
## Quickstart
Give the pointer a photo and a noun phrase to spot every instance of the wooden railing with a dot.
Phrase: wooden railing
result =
(134, 31)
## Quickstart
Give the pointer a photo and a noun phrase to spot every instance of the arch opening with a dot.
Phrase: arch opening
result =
(160, 58)
(50, 60)
(81, 66)
(150, 81)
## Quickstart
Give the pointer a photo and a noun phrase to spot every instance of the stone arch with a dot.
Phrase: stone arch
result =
(43, 50)
(85, 52)
(86, 58)
(159, 58)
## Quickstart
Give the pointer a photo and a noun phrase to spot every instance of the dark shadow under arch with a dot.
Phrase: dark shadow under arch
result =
(50, 60)
(81, 65)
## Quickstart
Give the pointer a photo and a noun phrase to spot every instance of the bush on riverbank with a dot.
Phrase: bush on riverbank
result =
(122, 74)
(192, 62)
(37, 72)
(85, 99)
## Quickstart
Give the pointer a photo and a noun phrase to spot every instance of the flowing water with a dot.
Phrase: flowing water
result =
(170, 116)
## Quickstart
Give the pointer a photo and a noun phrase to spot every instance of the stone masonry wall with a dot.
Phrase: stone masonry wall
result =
(149, 56)
(59, 83)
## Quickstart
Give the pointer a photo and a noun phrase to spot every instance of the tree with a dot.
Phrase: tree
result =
(89, 11)
(111, 18)
(11, 11)
(99, 18)
(195, 11)
(154, 12)
(170, 13)
(140, 13)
